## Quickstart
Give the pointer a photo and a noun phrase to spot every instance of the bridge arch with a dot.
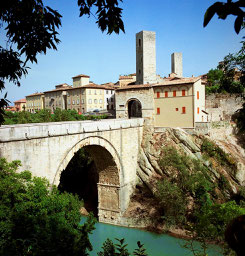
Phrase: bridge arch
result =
(108, 165)
(134, 108)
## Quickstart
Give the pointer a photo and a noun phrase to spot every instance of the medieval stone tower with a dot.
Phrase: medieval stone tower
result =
(176, 64)
(146, 57)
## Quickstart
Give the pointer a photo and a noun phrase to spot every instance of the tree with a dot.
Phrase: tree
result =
(37, 220)
(229, 76)
(225, 9)
(32, 28)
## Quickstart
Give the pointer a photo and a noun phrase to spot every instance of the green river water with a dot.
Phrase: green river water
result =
(156, 245)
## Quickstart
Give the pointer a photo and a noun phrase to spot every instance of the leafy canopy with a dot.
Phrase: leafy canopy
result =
(37, 220)
(224, 9)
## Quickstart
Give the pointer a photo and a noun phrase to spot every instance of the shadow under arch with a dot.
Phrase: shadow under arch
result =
(134, 107)
(108, 167)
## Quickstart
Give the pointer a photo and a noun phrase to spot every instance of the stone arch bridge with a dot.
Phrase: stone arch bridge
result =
(46, 149)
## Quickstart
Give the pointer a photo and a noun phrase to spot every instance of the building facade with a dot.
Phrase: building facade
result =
(20, 105)
(35, 102)
(57, 98)
(86, 98)
(172, 101)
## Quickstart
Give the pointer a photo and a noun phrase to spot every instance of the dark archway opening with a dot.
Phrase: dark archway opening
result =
(81, 177)
(134, 109)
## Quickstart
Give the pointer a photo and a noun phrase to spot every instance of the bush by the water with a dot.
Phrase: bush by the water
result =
(36, 219)
(191, 181)
(45, 115)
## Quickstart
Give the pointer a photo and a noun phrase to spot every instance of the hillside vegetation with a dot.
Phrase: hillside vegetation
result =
(187, 183)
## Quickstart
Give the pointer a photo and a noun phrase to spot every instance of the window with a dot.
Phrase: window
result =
(107, 92)
(77, 101)
(82, 101)
(158, 111)
(198, 110)
(73, 102)
(177, 109)
(139, 71)
(89, 91)
(166, 94)
(174, 93)
(183, 92)
(100, 101)
(95, 92)
(100, 92)
(89, 101)
(69, 102)
(95, 101)
(111, 99)
(183, 110)
(107, 100)
(139, 42)
(158, 94)
(198, 95)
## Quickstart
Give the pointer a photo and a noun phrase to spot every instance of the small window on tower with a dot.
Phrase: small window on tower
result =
(183, 110)
(139, 42)
(158, 111)
(139, 71)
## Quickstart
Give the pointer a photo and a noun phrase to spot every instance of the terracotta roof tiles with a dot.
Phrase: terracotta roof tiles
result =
(81, 75)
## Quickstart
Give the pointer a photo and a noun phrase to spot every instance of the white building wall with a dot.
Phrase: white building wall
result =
(199, 103)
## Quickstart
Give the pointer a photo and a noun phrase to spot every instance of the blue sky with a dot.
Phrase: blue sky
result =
(85, 49)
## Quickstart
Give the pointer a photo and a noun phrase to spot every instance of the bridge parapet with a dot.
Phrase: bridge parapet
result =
(22, 132)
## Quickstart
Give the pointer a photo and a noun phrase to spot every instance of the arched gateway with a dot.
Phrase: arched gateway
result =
(108, 167)
(134, 108)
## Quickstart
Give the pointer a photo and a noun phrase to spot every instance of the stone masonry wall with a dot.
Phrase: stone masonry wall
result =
(221, 107)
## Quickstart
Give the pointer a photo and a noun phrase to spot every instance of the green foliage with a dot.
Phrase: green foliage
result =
(225, 9)
(213, 219)
(192, 179)
(120, 249)
(44, 115)
(214, 77)
(37, 220)
(172, 201)
(216, 152)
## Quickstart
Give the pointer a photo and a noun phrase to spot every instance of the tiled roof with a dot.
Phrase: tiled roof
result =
(35, 94)
(135, 86)
(125, 77)
(90, 86)
(63, 88)
(176, 81)
(20, 101)
(165, 81)
(81, 75)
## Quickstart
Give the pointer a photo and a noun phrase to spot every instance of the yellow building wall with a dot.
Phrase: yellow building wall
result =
(34, 103)
(171, 108)
(199, 103)
(94, 99)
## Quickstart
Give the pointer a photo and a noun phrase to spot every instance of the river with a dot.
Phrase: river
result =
(156, 244)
